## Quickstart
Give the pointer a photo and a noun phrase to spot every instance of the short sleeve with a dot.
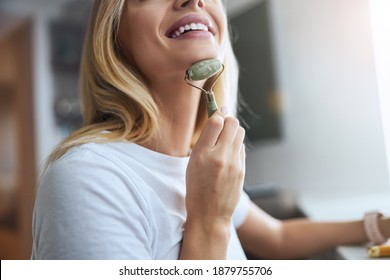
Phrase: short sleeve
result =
(241, 211)
(86, 209)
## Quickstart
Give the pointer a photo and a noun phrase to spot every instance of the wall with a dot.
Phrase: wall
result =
(333, 139)
(42, 12)
(379, 12)
(234, 7)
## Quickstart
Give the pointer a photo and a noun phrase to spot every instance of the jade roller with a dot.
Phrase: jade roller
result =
(203, 70)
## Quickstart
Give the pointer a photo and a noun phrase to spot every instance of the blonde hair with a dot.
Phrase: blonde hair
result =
(114, 95)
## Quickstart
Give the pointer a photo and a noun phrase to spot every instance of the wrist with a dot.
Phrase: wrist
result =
(217, 229)
(205, 241)
(208, 223)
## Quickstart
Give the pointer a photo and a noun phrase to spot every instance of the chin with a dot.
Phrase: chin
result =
(181, 62)
(201, 55)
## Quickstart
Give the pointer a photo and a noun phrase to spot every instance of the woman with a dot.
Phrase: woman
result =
(149, 176)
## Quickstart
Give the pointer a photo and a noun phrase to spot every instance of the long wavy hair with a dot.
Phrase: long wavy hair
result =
(114, 94)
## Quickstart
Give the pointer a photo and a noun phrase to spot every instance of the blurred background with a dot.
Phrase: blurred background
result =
(313, 83)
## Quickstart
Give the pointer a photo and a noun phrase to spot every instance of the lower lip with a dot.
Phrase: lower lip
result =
(194, 35)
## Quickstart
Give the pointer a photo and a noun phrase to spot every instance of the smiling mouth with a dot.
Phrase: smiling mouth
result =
(191, 27)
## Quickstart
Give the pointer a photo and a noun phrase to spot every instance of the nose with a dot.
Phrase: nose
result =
(190, 4)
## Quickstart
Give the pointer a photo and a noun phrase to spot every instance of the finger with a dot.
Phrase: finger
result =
(212, 130)
(239, 139)
(228, 134)
(243, 162)
(237, 146)
(243, 155)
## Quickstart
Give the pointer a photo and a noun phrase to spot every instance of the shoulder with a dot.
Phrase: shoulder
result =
(87, 153)
(90, 170)
(92, 160)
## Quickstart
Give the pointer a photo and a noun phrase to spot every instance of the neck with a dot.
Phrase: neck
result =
(178, 103)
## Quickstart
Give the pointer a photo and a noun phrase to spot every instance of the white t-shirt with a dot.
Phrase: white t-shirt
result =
(116, 201)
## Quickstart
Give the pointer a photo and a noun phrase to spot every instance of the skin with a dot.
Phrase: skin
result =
(219, 155)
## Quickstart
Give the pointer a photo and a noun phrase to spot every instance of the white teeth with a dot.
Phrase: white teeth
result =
(187, 27)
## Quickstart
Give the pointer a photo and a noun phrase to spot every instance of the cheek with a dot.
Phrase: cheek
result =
(136, 37)
(221, 20)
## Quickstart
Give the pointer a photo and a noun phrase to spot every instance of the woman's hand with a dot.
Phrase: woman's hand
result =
(215, 177)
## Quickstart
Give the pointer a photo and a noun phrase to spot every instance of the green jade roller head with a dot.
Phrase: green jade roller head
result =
(202, 70)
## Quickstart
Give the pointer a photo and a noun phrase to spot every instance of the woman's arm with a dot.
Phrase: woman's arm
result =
(263, 236)
(215, 177)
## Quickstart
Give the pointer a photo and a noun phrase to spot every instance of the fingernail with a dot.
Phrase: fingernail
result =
(224, 110)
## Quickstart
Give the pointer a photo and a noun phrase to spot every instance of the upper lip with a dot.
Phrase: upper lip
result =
(192, 18)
